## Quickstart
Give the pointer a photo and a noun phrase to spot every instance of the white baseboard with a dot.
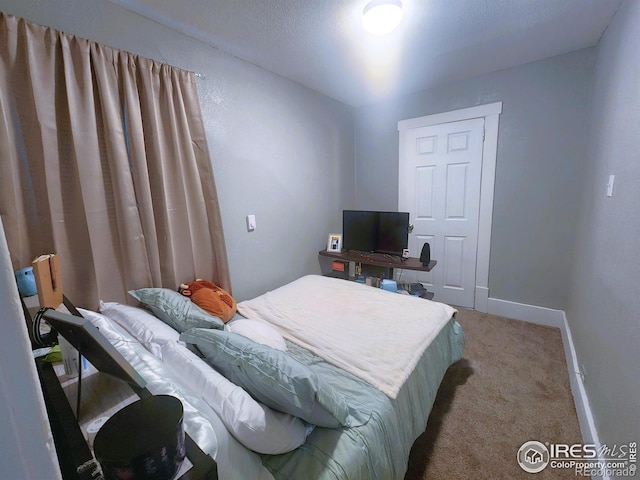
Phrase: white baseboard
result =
(580, 398)
(527, 313)
(556, 318)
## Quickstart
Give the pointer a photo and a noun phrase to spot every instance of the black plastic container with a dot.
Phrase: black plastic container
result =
(143, 441)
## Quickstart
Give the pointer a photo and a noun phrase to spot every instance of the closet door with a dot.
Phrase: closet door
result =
(439, 185)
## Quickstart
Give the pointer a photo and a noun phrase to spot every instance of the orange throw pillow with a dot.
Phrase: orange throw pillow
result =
(211, 298)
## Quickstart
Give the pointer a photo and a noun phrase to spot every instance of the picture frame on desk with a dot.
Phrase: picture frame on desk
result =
(334, 243)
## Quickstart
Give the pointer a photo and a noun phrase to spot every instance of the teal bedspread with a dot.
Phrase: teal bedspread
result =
(380, 448)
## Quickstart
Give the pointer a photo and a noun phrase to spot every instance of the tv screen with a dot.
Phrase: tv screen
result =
(371, 231)
(393, 232)
(359, 230)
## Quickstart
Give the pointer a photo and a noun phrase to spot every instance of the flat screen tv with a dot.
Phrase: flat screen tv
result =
(359, 230)
(372, 231)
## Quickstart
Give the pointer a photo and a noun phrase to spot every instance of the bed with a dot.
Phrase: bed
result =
(321, 378)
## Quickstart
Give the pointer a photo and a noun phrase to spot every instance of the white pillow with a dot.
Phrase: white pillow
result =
(256, 426)
(149, 330)
(257, 331)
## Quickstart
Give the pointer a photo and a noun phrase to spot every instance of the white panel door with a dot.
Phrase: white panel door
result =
(439, 185)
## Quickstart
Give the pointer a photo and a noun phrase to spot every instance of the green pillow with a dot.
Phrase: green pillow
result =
(175, 309)
(272, 377)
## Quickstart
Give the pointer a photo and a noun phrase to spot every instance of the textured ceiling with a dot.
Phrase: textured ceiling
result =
(321, 43)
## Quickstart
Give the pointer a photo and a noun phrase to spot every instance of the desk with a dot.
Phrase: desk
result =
(380, 260)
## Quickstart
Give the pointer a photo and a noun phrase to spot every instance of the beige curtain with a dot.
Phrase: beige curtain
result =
(104, 161)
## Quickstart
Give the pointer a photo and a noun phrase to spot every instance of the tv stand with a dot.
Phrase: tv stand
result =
(380, 260)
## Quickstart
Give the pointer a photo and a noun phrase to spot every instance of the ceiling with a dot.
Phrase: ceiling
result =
(321, 43)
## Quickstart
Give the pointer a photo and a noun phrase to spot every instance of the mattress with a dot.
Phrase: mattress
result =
(352, 325)
(380, 448)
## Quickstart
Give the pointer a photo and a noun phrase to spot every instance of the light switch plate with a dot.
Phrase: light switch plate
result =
(251, 223)
(612, 179)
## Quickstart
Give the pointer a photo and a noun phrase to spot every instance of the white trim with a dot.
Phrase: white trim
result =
(580, 398)
(482, 299)
(527, 313)
(452, 116)
(491, 113)
(577, 386)
(556, 318)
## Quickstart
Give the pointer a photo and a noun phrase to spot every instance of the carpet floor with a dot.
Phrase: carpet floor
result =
(511, 386)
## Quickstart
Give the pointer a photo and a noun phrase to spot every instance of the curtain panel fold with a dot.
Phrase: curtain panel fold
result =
(104, 161)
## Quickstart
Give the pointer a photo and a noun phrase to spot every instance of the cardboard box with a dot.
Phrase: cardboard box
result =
(46, 269)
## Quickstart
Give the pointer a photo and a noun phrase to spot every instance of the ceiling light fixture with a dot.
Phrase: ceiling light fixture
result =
(382, 16)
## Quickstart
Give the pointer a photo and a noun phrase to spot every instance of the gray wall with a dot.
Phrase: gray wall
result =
(604, 304)
(26, 443)
(279, 150)
(541, 148)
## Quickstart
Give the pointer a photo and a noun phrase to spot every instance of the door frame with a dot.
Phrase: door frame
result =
(491, 114)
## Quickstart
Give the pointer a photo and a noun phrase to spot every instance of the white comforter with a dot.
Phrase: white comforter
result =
(374, 334)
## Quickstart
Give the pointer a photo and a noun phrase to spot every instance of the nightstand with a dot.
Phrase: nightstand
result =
(60, 395)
